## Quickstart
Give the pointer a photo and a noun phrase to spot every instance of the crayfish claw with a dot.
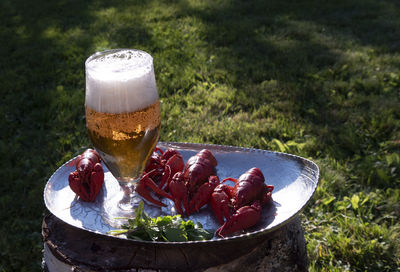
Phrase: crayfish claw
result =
(221, 201)
(179, 193)
(245, 217)
(203, 194)
(146, 182)
(97, 179)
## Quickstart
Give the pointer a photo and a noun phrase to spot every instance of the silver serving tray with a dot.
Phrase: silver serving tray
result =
(295, 180)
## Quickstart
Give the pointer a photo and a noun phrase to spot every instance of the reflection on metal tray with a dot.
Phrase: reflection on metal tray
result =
(295, 180)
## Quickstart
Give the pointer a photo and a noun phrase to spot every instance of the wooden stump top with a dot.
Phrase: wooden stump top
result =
(68, 247)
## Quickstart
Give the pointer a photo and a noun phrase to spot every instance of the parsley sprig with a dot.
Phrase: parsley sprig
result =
(164, 228)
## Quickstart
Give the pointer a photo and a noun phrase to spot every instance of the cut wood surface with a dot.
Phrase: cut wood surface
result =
(67, 248)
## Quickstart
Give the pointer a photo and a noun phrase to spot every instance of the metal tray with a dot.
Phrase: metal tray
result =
(295, 180)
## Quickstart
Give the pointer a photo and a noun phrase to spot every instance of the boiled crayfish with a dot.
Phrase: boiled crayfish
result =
(164, 165)
(249, 187)
(195, 184)
(158, 174)
(245, 198)
(168, 171)
(88, 178)
(243, 218)
(195, 177)
(198, 168)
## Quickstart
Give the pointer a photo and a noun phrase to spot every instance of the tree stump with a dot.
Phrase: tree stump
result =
(67, 248)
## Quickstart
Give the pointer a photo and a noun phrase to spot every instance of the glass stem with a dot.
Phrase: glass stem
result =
(128, 190)
(130, 200)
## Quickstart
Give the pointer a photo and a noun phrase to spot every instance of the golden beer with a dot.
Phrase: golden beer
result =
(125, 140)
(122, 110)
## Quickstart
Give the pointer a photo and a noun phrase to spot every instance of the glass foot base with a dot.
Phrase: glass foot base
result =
(120, 206)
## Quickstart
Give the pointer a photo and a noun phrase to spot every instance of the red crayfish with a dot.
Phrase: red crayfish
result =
(182, 181)
(246, 198)
(88, 178)
(249, 187)
(194, 184)
(159, 170)
(198, 168)
(245, 217)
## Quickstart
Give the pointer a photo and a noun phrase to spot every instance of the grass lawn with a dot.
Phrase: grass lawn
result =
(319, 79)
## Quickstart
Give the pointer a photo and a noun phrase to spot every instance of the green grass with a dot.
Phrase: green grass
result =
(320, 79)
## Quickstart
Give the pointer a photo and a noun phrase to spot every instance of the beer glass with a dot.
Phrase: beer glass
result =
(123, 121)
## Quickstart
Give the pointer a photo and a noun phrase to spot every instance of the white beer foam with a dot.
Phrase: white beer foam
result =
(120, 81)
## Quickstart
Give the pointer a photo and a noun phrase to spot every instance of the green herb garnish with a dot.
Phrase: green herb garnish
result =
(163, 229)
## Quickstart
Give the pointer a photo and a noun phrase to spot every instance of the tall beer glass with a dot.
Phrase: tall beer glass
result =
(123, 119)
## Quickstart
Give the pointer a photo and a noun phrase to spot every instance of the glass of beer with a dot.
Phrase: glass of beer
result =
(123, 121)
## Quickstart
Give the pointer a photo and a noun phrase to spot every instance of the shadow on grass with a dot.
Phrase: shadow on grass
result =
(307, 47)
(43, 48)
(44, 45)
(290, 40)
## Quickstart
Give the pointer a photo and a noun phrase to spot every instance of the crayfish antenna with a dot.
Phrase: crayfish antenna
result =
(159, 150)
(268, 194)
(230, 179)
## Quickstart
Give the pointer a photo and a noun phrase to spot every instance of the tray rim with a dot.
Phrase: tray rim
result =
(247, 235)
